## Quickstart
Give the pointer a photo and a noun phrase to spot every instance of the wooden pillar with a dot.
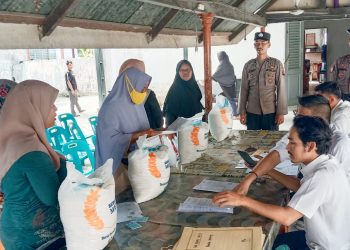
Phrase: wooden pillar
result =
(206, 23)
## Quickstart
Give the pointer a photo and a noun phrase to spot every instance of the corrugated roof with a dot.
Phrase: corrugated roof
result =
(164, 17)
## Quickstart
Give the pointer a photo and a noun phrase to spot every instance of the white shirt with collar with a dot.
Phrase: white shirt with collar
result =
(340, 149)
(281, 148)
(323, 199)
(340, 117)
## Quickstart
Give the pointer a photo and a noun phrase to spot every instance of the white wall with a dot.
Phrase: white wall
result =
(161, 63)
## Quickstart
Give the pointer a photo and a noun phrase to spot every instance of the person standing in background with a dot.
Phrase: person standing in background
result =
(340, 72)
(153, 111)
(263, 95)
(225, 76)
(184, 96)
(72, 89)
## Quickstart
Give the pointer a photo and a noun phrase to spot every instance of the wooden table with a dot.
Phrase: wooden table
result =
(165, 225)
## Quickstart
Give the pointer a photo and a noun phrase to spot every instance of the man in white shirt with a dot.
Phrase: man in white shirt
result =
(311, 105)
(340, 115)
(322, 198)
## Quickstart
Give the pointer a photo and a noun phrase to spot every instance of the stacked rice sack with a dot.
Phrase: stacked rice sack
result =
(149, 171)
(87, 208)
(193, 140)
(219, 119)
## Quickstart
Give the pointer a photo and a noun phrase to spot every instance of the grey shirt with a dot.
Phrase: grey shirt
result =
(340, 72)
(263, 89)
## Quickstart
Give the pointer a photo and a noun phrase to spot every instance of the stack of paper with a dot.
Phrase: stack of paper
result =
(193, 204)
(228, 238)
(215, 186)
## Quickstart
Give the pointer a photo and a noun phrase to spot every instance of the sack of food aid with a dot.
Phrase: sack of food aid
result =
(87, 208)
(219, 119)
(149, 171)
(193, 141)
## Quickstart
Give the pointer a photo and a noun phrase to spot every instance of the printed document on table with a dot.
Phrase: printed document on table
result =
(215, 186)
(229, 238)
(203, 205)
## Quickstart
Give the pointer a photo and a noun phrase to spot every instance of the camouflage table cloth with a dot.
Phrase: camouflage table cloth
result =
(221, 158)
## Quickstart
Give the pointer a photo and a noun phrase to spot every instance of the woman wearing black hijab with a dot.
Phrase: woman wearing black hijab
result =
(184, 96)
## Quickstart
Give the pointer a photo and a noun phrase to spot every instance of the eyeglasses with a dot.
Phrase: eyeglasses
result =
(185, 70)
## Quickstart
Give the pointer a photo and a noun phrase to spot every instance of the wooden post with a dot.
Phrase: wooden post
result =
(206, 23)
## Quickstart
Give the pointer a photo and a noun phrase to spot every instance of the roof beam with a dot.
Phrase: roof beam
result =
(55, 17)
(162, 23)
(37, 19)
(216, 23)
(237, 31)
(264, 7)
(220, 10)
(311, 15)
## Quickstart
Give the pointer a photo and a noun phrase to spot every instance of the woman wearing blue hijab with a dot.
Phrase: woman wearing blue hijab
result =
(122, 117)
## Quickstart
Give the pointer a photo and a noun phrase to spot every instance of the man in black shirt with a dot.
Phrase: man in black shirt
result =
(72, 89)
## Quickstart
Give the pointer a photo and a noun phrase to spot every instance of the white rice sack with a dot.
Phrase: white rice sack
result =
(149, 172)
(88, 209)
(193, 141)
(220, 122)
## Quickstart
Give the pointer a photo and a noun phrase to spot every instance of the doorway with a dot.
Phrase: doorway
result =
(315, 58)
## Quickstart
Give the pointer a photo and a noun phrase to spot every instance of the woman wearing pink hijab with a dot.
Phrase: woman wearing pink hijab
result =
(30, 170)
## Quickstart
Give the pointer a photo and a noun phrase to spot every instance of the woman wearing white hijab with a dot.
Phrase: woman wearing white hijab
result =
(30, 170)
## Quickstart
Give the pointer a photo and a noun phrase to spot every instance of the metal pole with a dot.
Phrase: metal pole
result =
(101, 83)
(185, 53)
(206, 23)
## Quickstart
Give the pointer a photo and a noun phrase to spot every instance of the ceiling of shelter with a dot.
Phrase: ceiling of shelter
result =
(153, 20)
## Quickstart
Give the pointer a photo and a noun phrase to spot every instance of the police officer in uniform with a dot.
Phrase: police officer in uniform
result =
(340, 72)
(263, 97)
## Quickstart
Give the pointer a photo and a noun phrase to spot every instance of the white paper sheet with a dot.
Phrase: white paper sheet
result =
(215, 186)
(193, 204)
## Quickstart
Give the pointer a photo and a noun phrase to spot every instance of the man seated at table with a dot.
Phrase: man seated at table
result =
(340, 115)
(312, 105)
(322, 198)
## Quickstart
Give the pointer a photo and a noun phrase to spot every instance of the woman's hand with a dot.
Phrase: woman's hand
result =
(150, 132)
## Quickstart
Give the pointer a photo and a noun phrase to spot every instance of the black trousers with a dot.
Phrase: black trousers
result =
(294, 240)
(261, 122)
